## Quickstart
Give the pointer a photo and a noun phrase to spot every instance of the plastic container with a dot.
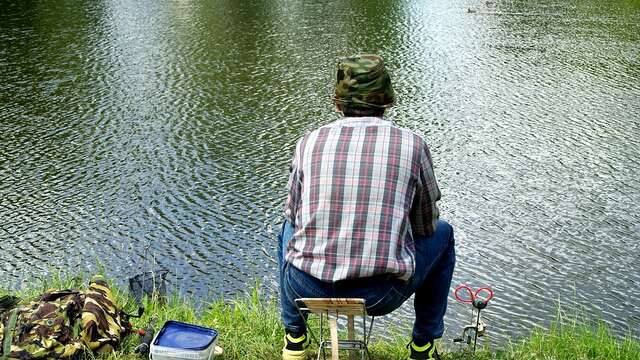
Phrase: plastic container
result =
(178, 340)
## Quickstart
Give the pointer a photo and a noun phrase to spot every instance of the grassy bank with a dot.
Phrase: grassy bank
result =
(250, 328)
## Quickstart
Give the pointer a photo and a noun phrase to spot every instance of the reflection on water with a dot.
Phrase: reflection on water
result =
(138, 133)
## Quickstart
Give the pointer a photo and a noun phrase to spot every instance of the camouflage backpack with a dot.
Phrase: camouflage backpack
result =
(62, 324)
(103, 324)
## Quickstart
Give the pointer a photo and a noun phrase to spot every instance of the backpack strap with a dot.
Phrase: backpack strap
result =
(8, 334)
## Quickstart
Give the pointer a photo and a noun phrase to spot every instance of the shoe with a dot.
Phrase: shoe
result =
(428, 351)
(295, 348)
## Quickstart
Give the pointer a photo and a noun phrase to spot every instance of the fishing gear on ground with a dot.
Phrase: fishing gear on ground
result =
(63, 324)
(150, 284)
(147, 335)
(478, 302)
(175, 340)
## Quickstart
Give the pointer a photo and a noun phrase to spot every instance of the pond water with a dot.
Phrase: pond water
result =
(146, 134)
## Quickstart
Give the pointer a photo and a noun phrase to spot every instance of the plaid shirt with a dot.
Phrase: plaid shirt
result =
(360, 191)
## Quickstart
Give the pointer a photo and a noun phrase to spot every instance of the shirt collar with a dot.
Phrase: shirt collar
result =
(360, 121)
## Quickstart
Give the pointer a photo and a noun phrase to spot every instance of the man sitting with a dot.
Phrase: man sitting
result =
(361, 215)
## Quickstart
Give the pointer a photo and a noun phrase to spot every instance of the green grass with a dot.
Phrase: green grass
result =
(250, 328)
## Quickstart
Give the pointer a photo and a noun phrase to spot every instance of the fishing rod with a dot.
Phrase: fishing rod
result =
(478, 302)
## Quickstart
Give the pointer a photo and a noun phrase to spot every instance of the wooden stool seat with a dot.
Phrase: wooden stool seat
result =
(332, 308)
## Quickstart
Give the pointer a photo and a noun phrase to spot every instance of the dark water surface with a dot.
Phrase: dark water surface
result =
(146, 132)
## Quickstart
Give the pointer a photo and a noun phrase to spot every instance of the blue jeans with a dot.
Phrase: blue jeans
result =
(435, 260)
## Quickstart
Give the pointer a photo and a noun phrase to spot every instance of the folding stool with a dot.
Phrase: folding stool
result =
(332, 308)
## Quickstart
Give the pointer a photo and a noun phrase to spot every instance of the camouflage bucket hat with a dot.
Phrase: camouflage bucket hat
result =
(363, 82)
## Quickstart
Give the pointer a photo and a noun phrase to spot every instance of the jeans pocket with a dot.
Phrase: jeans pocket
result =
(292, 292)
(303, 284)
(391, 300)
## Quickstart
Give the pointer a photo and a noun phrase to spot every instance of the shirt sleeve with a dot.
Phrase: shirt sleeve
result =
(293, 189)
(424, 211)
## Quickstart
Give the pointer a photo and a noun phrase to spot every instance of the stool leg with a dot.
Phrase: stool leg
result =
(350, 335)
(333, 328)
(324, 355)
